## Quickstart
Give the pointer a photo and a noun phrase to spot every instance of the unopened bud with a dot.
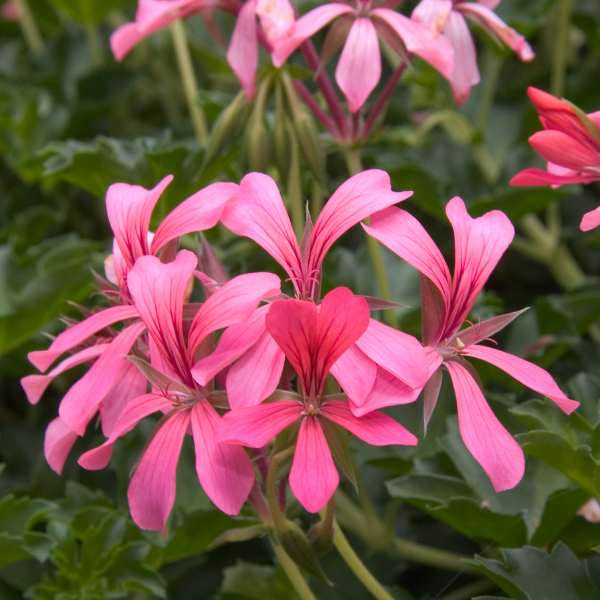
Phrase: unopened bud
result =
(308, 137)
(281, 137)
(258, 144)
(320, 536)
(209, 264)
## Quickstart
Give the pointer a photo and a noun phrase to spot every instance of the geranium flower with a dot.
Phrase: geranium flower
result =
(570, 143)
(448, 17)
(446, 303)
(226, 473)
(359, 67)
(391, 359)
(313, 339)
(113, 380)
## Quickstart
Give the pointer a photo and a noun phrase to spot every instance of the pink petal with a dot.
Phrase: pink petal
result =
(590, 220)
(260, 215)
(432, 13)
(199, 212)
(359, 67)
(81, 402)
(490, 444)
(404, 235)
(34, 386)
(527, 373)
(397, 352)
(132, 414)
(356, 373)
(77, 334)
(255, 426)
(535, 177)
(564, 150)
(420, 40)
(234, 341)
(306, 26)
(242, 54)
(256, 375)
(277, 18)
(151, 492)
(376, 428)
(158, 291)
(129, 208)
(225, 472)
(313, 477)
(58, 441)
(232, 303)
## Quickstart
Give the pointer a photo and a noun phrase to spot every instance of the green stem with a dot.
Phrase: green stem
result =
(94, 43)
(294, 186)
(493, 66)
(29, 27)
(188, 78)
(354, 562)
(354, 164)
(470, 590)
(278, 517)
(293, 573)
(561, 52)
(316, 199)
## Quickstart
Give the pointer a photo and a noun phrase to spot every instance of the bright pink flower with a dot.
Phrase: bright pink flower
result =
(381, 352)
(313, 339)
(446, 302)
(226, 473)
(570, 143)
(113, 381)
(277, 20)
(448, 17)
(154, 15)
(359, 67)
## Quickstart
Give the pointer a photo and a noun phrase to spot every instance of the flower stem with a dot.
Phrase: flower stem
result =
(314, 107)
(354, 164)
(29, 27)
(294, 187)
(278, 517)
(470, 590)
(188, 78)
(293, 573)
(559, 62)
(94, 43)
(316, 199)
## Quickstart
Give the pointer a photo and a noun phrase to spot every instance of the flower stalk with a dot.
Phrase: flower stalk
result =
(293, 573)
(29, 27)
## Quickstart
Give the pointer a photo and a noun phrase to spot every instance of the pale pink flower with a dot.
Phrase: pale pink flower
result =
(448, 17)
(361, 21)
(10, 11)
(570, 143)
(226, 473)
(113, 380)
(383, 361)
(313, 339)
(446, 302)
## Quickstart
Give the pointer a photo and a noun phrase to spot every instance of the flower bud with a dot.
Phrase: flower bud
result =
(320, 536)
(281, 137)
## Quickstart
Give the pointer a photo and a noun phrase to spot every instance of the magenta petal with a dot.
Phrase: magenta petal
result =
(564, 150)
(58, 441)
(151, 493)
(313, 477)
(225, 472)
(375, 428)
(242, 54)
(537, 177)
(590, 220)
(77, 334)
(124, 39)
(527, 373)
(490, 444)
(359, 67)
(255, 426)
(356, 373)
(256, 375)
(199, 212)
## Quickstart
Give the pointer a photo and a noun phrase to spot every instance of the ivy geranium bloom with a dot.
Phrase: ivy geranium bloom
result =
(225, 472)
(313, 338)
(446, 303)
(448, 17)
(113, 381)
(570, 143)
(383, 362)
(360, 22)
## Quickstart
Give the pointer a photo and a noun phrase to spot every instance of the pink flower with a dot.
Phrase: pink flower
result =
(277, 19)
(113, 380)
(448, 17)
(10, 11)
(570, 143)
(359, 67)
(382, 355)
(446, 302)
(313, 339)
(154, 15)
(226, 473)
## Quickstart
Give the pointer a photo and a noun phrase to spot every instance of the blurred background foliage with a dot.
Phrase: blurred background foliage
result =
(73, 121)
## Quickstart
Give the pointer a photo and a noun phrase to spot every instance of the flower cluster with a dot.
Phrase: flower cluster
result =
(294, 369)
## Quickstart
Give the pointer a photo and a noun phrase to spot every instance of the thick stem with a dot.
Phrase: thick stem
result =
(257, 500)
(29, 27)
(493, 66)
(316, 199)
(561, 51)
(360, 570)
(314, 107)
(94, 41)
(293, 573)
(294, 187)
(278, 517)
(188, 78)
(354, 164)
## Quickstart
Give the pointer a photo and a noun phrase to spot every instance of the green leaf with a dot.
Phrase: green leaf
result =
(254, 582)
(18, 515)
(88, 11)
